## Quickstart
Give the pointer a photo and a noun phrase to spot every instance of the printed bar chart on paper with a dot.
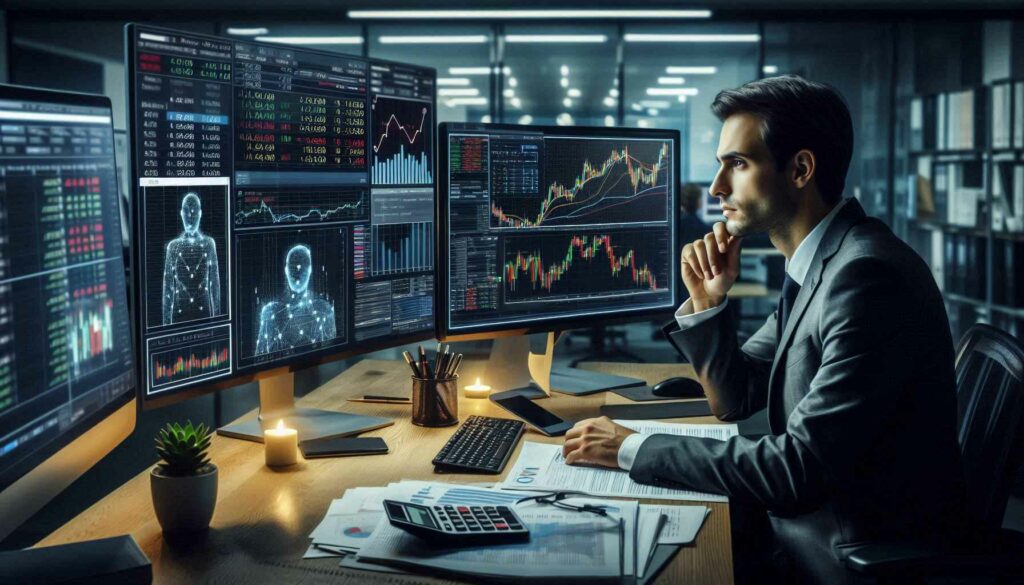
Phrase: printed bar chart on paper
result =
(401, 142)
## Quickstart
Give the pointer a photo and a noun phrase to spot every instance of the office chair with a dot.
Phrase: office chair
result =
(990, 404)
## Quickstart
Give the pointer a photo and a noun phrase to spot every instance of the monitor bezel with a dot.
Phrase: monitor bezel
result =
(278, 366)
(32, 460)
(559, 323)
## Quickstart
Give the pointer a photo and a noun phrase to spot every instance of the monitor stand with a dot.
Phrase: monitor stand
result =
(505, 370)
(277, 402)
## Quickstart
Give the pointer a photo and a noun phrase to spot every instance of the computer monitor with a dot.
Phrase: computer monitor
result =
(284, 208)
(550, 228)
(67, 384)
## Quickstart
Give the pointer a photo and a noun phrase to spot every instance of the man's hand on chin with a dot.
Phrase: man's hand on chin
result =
(595, 441)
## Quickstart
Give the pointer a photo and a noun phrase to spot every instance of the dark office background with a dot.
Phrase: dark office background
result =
(894, 62)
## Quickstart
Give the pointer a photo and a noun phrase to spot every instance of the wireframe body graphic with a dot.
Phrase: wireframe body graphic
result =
(301, 317)
(191, 284)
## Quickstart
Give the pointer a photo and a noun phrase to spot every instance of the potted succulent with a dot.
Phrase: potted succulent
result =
(184, 483)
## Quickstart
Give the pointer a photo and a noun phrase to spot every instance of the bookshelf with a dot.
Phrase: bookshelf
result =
(964, 199)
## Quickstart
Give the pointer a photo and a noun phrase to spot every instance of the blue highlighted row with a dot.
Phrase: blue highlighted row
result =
(196, 118)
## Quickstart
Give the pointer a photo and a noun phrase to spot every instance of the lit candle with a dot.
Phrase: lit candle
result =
(281, 445)
(478, 390)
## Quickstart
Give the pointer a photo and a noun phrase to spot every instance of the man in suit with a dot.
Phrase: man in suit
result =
(855, 368)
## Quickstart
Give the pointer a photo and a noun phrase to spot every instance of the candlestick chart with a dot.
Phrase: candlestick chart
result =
(579, 265)
(585, 182)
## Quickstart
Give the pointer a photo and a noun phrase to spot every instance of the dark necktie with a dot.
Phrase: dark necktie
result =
(789, 291)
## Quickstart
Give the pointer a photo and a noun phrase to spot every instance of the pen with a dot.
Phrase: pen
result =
(392, 398)
(424, 363)
(437, 360)
(411, 362)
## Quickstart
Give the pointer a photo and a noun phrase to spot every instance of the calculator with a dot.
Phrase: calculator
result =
(458, 524)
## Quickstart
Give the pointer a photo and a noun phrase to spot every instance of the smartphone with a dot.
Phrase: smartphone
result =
(535, 416)
(343, 447)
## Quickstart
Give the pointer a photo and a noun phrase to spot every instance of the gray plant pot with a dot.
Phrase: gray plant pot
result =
(184, 504)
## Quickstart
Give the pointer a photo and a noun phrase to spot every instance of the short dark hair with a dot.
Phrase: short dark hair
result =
(796, 114)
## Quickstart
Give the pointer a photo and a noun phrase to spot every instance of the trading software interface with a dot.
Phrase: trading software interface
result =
(285, 203)
(65, 338)
(544, 226)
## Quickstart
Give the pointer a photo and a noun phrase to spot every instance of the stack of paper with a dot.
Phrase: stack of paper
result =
(564, 544)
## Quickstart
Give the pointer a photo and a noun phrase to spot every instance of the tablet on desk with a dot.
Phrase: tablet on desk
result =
(534, 415)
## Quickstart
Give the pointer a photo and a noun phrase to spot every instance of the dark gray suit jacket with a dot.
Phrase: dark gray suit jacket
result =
(861, 403)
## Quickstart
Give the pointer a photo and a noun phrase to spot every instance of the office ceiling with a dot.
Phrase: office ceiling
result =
(732, 6)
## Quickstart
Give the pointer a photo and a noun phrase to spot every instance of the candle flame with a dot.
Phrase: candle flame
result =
(478, 381)
(280, 425)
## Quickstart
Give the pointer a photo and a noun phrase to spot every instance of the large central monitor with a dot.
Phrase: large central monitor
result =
(283, 207)
(551, 228)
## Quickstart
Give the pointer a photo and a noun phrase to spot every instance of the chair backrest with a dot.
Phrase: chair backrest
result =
(990, 401)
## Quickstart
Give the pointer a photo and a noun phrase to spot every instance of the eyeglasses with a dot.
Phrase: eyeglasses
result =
(555, 499)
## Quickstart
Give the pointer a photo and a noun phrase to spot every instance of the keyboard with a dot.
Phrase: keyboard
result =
(481, 445)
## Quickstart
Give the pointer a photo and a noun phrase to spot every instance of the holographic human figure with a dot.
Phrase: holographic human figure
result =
(302, 317)
(191, 272)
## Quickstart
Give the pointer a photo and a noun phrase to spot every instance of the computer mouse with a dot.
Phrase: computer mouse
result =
(678, 388)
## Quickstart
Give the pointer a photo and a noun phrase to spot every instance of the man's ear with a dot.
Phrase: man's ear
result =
(804, 165)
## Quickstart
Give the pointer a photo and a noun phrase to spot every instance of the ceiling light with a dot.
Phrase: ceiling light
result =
(671, 91)
(509, 93)
(613, 92)
(485, 119)
(556, 38)
(469, 70)
(466, 101)
(565, 71)
(433, 39)
(642, 123)
(637, 108)
(662, 104)
(564, 119)
(527, 14)
(609, 120)
(311, 40)
(691, 70)
(669, 80)
(574, 93)
(690, 38)
(609, 101)
(452, 81)
(564, 82)
(513, 82)
(517, 103)
(567, 102)
(526, 119)
(458, 91)
(682, 99)
(770, 69)
(248, 32)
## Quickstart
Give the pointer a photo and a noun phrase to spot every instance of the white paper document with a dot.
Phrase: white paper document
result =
(541, 466)
(681, 522)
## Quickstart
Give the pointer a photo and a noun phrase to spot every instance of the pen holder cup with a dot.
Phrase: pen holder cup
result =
(435, 403)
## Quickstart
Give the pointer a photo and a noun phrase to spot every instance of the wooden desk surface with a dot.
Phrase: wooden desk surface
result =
(263, 518)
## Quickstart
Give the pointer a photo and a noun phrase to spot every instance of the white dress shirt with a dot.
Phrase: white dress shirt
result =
(796, 268)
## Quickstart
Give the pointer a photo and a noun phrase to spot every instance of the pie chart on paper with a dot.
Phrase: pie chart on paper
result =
(358, 532)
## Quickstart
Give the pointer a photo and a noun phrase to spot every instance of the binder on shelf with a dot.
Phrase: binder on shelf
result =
(1001, 101)
(922, 197)
(917, 124)
(938, 264)
(1018, 114)
(941, 111)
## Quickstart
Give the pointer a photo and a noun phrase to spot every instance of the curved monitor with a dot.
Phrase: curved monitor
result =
(66, 361)
(284, 203)
(545, 228)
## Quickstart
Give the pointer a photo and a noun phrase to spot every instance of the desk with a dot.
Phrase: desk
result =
(263, 518)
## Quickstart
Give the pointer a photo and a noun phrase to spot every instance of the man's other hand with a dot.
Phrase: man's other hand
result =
(595, 441)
